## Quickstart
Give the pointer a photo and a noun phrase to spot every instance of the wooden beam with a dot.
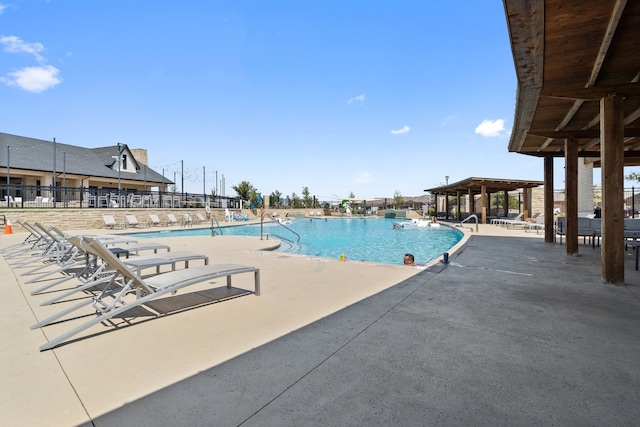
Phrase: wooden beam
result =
(571, 194)
(592, 93)
(630, 132)
(612, 148)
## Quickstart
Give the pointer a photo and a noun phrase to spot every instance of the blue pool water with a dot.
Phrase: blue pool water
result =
(366, 239)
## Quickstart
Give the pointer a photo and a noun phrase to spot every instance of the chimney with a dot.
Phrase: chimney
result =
(140, 155)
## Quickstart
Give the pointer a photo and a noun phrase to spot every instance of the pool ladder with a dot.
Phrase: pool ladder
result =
(470, 217)
(213, 231)
(262, 235)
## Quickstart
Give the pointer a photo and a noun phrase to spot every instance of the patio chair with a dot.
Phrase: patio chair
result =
(172, 219)
(506, 221)
(154, 220)
(186, 220)
(88, 267)
(132, 221)
(34, 240)
(521, 222)
(110, 221)
(537, 225)
(131, 291)
(199, 219)
(136, 264)
(103, 201)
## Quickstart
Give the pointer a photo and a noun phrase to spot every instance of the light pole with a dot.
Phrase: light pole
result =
(120, 145)
(446, 179)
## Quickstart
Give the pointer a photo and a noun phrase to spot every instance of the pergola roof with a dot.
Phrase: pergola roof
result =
(492, 185)
(568, 55)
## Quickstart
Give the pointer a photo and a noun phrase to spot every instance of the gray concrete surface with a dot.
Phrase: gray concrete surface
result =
(513, 332)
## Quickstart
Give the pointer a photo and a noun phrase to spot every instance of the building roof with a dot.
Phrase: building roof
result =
(36, 154)
(492, 185)
(569, 54)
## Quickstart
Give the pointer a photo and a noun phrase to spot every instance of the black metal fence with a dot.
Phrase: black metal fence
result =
(32, 196)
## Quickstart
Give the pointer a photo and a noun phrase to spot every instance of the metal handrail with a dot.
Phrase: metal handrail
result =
(280, 237)
(281, 225)
(472, 216)
(213, 232)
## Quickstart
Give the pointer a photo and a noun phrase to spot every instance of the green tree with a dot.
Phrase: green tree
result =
(398, 199)
(274, 199)
(498, 201)
(307, 200)
(296, 202)
(244, 190)
(633, 176)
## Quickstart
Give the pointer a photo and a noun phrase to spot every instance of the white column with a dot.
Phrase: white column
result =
(585, 188)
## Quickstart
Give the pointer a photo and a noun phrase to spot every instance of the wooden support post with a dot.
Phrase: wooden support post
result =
(526, 195)
(505, 204)
(458, 197)
(549, 232)
(483, 192)
(612, 159)
(571, 194)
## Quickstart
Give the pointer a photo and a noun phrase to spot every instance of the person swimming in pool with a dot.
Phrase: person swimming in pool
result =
(409, 259)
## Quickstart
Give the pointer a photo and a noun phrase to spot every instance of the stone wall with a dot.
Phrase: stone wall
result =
(85, 219)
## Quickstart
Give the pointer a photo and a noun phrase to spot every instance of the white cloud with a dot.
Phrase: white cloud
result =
(490, 128)
(447, 120)
(2, 8)
(364, 177)
(403, 130)
(34, 79)
(13, 44)
(359, 98)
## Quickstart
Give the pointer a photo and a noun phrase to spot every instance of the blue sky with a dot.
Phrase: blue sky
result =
(365, 97)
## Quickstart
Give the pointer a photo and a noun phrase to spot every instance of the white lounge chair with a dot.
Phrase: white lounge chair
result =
(110, 221)
(132, 221)
(172, 219)
(130, 291)
(154, 220)
(86, 269)
(506, 221)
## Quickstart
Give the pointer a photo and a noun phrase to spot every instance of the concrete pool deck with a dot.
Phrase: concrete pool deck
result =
(512, 332)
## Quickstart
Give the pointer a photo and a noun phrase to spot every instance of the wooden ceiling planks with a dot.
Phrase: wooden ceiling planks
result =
(584, 49)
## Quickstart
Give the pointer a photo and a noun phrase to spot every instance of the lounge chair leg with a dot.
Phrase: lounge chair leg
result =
(257, 283)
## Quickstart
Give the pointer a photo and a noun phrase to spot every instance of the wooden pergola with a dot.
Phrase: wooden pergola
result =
(484, 187)
(578, 64)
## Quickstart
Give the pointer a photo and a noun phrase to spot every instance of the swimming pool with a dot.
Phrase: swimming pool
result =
(367, 239)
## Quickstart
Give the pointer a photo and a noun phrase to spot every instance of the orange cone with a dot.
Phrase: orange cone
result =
(7, 228)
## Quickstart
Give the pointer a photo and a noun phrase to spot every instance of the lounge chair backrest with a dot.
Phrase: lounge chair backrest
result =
(172, 218)
(109, 219)
(96, 248)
